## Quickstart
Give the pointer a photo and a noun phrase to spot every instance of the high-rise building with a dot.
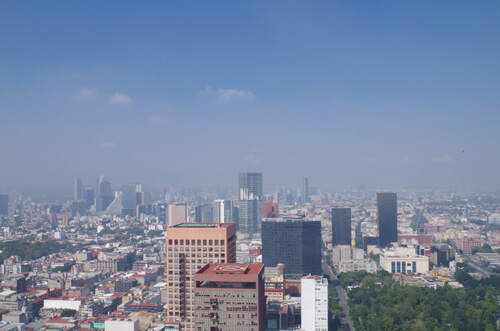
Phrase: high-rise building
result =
(78, 194)
(341, 226)
(305, 190)
(177, 213)
(129, 199)
(293, 242)
(204, 213)
(189, 247)
(230, 297)
(4, 204)
(223, 211)
(88, 196)
(314, 303)
(104, 194)
(250, 202)
(270, 210)
(387, 207)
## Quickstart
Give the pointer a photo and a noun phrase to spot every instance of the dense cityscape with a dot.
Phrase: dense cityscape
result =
(249, 165)
(290, 259)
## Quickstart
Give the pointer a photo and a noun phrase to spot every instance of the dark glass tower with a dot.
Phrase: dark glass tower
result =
(296, 243)
(387, 206)
(341, 226)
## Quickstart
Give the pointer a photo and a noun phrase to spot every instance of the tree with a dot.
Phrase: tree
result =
(68, 313)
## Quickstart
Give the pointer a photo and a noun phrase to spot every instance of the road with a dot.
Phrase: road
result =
(345, 319)
(483, 271)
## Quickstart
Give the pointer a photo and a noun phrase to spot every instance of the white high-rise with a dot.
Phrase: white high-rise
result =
(177, 213)
(314, 303)
(223, 211)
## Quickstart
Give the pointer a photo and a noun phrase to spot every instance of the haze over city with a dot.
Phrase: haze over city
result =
(387, 94)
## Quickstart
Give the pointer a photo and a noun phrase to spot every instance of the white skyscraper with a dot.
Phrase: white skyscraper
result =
(223, 211)
(314, 303)
(177, 213)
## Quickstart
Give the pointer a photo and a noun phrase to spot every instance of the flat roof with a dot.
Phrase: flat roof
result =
(203, 225)
(231, 269)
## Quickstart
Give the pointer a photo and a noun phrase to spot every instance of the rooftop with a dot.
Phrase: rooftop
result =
(203, 225)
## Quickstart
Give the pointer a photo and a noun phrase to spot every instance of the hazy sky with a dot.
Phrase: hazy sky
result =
(392, 94)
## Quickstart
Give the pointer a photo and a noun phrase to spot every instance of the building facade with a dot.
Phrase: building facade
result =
(230, 297)
(177, 213)
(190, 246)
(314, 301)
(293, 242)
(341, 226)
(250, 202)
(387, 208)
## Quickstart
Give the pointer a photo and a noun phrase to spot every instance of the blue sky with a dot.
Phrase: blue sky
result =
(392, 94)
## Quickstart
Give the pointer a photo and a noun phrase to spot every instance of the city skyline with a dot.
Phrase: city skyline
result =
(390, 95)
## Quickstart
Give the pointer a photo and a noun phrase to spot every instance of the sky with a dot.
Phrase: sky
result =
(390, 94)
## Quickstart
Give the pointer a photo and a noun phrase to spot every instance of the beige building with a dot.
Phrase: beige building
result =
(190, 246)
(403, 260)
(177, 213)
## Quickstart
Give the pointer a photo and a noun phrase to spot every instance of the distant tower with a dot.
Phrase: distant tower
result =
(293, 242)
(387, 206)
(341, 226)
(4, 204)
(305, 190)
(78, 190)
(129, 199)
(223, 211)
(204, 213)
(250, 202)
(177, 213)
(270, 210)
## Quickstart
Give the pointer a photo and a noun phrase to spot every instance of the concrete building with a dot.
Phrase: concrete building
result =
(190, 246)
(177, 213)
(230, 297)
(293, 242)
(314, 301)
(403, 260)
(121, 324)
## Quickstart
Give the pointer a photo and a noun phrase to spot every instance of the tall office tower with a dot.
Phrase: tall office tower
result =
(223, 211)
(104, 194)
(387, 206)
(341, 226)
(4, 204)
(305, 190)
(230, 297)
(177, 213)
(314, 303)
(294, 242)
(129, 198)
(204, 213)
(189, 247)
(78, 194)
(270, 210)
(88, 196)
(250, 202)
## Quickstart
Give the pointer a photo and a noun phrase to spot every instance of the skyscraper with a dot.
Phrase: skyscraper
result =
(305, 190)
(341, 226)
(204, 213)
(129, 199)
(230, 297)
(78, 194)
(250, 202)
(4, 204)
(294, 242)
(190, 246)
(387, 207)
(223, 211)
